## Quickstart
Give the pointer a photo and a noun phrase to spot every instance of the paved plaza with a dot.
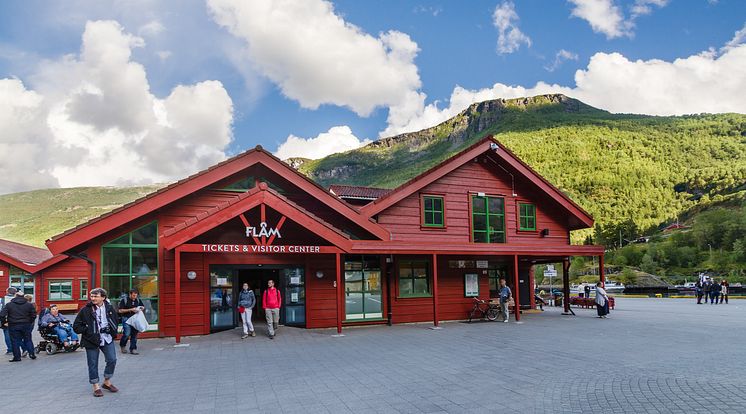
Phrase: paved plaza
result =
(650, 356)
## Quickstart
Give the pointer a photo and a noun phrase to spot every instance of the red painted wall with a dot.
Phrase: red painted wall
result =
(74, 270)
(404, 218)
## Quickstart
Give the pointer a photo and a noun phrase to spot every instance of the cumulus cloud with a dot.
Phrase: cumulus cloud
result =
(337, 139)
(559, 58)
(705, 82)
(607, 18)
(510, 36)
(738, 38)
(316, 57)
(100, 125)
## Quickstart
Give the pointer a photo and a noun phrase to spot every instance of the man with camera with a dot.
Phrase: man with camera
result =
(97, 325)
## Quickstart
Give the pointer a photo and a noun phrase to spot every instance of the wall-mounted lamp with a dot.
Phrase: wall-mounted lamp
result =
(191, 275)
(319, 274)
(544, 232)
(493, 146)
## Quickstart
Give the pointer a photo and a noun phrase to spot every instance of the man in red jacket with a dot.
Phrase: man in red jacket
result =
(271, 302)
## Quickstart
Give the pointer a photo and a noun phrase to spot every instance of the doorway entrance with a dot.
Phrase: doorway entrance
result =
(226, 281)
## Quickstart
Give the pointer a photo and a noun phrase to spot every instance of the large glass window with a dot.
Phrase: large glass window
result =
(131, 261)
(363, 288)
(60, 290)
(22, 280)
(433, 211)
(414, 278)
(494, 275)
(488, 219)
(527, 216)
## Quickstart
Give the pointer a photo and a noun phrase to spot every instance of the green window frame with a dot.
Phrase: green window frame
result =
(363, 294)
(131, 261)
(21, 280)
(526, 216)
(493, 276)
(487, 219)
(83, 289)
(433, 211)
(60, 289)
(414, 278)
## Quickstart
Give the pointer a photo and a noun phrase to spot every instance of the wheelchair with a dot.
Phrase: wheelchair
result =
(50, 342)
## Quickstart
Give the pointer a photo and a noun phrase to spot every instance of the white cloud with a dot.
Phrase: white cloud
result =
(559, 58)
(705, 82)
(317, 58)
(738, 38)
(103, 126)
(606, 17)
(510, 36)
(151, 28)
(337, 139)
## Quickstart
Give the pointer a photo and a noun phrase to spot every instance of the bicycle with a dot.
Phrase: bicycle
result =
(484, 308)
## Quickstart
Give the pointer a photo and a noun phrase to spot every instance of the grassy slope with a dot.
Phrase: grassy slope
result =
(34, 216)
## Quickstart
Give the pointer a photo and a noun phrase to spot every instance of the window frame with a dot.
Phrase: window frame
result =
(487, 214)
(365, 291)
(428, 275)
(59, 282)
(82, 296)
(520, 205)
(423, 211)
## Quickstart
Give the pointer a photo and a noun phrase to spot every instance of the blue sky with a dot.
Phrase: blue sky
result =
(120, 93)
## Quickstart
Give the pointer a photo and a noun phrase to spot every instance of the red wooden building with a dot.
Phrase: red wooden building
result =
(343, 256)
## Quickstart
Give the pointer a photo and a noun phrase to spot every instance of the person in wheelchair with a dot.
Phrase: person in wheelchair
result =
(52, 323)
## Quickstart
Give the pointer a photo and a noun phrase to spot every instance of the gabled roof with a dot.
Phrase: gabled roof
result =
(256, 196)
(21, 255)
(482, 146)
(358, 192)
(93, 228)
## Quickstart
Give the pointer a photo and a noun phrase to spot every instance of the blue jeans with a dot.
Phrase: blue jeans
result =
(20, 338)
(9, 343)
(128, 332)
(65, 332)
(110, 356)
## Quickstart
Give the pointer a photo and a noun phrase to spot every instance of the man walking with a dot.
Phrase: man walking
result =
(246, 302)
(97, 325)
(19, 314)
(128, 307)
(715, 293)
(505, 295)
(271, 302)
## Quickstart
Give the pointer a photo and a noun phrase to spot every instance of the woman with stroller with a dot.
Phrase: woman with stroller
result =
(60, 325)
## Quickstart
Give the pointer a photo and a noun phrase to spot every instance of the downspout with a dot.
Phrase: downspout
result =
(84, 256)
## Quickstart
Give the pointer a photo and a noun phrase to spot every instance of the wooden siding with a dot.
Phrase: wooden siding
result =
(403, 219)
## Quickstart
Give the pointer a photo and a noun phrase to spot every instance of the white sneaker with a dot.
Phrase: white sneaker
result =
(245, 336)
(506, 321)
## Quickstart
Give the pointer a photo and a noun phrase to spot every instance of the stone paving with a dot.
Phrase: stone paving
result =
(650, 356)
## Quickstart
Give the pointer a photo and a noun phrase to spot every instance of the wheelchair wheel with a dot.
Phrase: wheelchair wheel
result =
(51, 348)
(492, 314)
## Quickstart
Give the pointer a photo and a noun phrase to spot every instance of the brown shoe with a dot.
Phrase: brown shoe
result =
(111, 387)
(98, 393)
(124, 350)
(134, 352)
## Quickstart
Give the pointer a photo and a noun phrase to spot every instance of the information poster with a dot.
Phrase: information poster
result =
(471, 285)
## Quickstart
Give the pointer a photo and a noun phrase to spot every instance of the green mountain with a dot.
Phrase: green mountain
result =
(632, 172)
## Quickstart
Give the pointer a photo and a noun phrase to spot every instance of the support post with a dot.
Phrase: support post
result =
(340, 294)
(566, 285)
(435, 290)
(177, 274)
(516, 289)
(602, 275)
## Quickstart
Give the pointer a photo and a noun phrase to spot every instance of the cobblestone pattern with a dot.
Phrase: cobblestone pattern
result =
(648, 357)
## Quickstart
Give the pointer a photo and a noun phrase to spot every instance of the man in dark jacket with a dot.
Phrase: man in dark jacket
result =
(714, 293)
(127, 308)
(19, 314)
(97, 325)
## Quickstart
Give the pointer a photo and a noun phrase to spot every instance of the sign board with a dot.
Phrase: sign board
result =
(253, 248)
(482, 264)
(550, 273)
(471, 285)
(294, 296)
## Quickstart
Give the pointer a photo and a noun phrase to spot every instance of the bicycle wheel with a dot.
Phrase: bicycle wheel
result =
(474, 314)
(492, 313)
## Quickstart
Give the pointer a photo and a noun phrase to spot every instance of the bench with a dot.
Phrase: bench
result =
(588, 302)
(67, 307)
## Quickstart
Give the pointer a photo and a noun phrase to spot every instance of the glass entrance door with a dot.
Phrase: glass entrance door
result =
(222, 312)
(363, 288)
(293, 284)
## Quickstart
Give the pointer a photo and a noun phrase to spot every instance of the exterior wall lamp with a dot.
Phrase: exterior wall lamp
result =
(191, 275)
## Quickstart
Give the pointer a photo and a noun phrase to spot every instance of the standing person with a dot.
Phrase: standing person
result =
(97, 325)
(706, 289)
(271, 302)
(246, 302)
(127, 307)
(60, 325)
(724, 291)
(587, 290)
(602, 301)
(505, 295)
(699, 291)
(19, 314)
(10, 293)
(714, 292)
